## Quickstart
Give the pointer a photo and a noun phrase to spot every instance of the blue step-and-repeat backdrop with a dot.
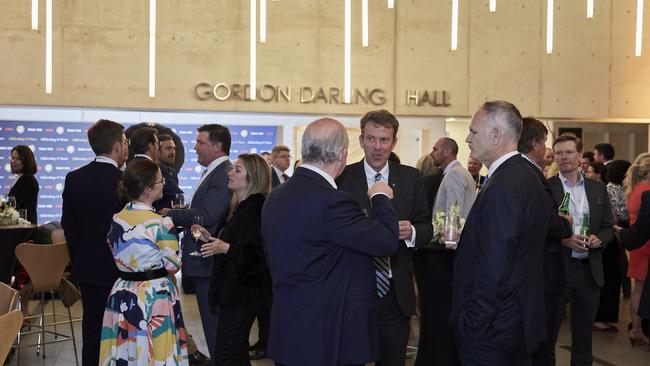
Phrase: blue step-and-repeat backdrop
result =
(62, 147)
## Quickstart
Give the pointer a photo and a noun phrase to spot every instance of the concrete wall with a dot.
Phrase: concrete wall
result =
(101, 55)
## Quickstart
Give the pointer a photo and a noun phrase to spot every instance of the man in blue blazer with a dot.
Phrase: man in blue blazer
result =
(89, 203)
(319, 246)
(498, 296)
(211, 201)
(167, 153)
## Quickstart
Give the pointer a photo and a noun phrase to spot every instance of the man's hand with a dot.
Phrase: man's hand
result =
(569, 219)
(164, 211)
(405, 230)
(577, 243)
(381, 187)
(593, 241)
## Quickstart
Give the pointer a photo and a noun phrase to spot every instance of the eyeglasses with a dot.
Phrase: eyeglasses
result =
(162, 181)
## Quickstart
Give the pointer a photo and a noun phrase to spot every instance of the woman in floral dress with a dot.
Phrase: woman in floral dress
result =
(143, 323)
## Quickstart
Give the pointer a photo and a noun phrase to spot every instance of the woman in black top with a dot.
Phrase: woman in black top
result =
(241, 282)
(25, 188)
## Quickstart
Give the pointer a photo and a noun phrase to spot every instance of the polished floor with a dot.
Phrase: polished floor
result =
(609, 348)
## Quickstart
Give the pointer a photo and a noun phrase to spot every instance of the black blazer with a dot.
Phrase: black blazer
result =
(635, 237)
(431, 185)
(170, 189)
(241, 276)
(25, 190)
(600, 223)
(410, 202)
(557, 229)
(89, 203)
(498, 294)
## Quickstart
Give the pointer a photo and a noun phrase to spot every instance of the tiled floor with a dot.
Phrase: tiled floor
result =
(609, 348)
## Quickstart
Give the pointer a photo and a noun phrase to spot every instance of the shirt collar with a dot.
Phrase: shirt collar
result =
(497, 163)
(279, 172)
(370, 172)
(215, 163)
(321, 172)
(106, 160)
(567, 182)
(451, 164)
(143, 156)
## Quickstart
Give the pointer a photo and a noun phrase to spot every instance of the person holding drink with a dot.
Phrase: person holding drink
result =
(241, 283)
(582, 253)
(23, 194)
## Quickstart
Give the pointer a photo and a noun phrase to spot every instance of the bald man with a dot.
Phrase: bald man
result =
(324, 297)
(457, 184)
(497, 310)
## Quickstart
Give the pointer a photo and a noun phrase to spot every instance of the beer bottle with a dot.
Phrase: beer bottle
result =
(584, 227)
(564, 207)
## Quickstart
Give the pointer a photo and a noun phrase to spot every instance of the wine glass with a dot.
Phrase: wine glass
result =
(451, 233)
(196, 234)
(178, 201)
(11, 202)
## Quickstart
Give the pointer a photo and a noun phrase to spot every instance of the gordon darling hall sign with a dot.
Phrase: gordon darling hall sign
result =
(306, 94)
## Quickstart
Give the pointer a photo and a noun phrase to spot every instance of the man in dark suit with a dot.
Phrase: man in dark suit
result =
(280, 162)
(143, 144)
(211, 202)
(89, 203)
(634, 238)
(498, 289)
(532, 147)
(582, 255)
(394, 275)
(167, 153)
(319, 246)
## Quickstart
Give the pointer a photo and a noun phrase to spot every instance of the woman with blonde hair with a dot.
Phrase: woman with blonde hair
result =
(241, 283)
(637, 181)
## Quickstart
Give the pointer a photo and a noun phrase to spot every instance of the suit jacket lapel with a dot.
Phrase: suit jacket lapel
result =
(394, 181)
(358, 176)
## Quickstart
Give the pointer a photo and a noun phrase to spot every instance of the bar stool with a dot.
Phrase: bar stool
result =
(10, 323)
(8, 298)
(45, 264)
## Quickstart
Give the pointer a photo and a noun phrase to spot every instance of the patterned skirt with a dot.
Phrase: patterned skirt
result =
(143, 325)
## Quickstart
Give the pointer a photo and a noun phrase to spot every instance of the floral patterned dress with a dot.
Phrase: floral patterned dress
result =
(143, 323)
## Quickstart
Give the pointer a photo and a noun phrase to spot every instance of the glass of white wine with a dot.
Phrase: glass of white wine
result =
(178, 201)
(11, 201)
(196, 234)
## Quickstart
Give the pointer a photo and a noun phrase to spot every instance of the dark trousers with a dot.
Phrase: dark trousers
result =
(433, 272)
(235, 324)
(545, 353)
(393, 331)
(582, 294)
(484, 353)
(93, 301)
(209, 318)
(263, 325)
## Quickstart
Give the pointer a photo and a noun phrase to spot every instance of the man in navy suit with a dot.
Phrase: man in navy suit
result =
(89, 203)
(498, 295)
(211, 201)
(319, 246)
(394, 275)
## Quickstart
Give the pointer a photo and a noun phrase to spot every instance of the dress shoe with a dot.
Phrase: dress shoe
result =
(198, 359)
(256, 354)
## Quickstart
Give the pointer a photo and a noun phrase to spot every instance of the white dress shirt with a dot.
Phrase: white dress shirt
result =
(106, 160)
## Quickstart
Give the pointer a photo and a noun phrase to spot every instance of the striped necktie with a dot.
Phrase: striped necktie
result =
(382, 267)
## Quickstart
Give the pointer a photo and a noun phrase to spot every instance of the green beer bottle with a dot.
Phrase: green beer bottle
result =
(564, 206)
(584, 226)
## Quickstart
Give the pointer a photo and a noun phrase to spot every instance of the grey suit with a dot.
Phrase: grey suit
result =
(457, 185)
(583, 280)
(212, 201)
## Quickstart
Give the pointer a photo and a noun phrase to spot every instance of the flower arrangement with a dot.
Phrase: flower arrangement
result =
(447, 227)
(9, 216)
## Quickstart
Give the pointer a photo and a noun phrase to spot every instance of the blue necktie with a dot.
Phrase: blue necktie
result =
(382, 267)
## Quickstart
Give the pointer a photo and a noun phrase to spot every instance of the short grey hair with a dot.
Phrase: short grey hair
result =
(323, 141)
(506, 113)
